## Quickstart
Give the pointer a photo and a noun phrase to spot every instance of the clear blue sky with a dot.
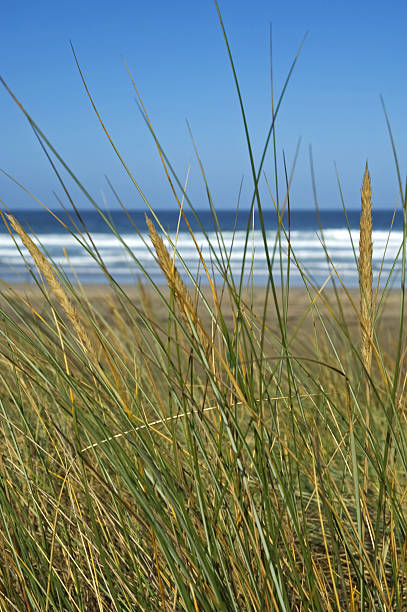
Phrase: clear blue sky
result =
(354, 52)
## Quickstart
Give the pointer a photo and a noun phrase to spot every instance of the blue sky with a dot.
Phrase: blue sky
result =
(353, 53)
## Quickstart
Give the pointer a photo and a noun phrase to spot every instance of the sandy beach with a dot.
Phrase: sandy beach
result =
(303, 310)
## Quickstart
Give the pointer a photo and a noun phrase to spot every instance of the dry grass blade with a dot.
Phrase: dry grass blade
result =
(47, 271)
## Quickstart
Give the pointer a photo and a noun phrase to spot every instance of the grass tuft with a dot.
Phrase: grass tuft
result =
(202, 444)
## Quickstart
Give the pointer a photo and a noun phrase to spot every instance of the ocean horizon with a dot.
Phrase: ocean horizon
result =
(319, 255)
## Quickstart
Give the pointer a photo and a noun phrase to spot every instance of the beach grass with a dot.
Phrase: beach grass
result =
(193, 445)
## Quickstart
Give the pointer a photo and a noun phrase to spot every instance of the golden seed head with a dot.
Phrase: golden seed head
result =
(366, 271)
(175, 282)
(48, 272)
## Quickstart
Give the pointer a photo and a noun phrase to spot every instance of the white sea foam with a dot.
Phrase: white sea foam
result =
(310, 249)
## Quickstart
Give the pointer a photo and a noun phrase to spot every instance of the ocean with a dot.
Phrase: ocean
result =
(131, 258)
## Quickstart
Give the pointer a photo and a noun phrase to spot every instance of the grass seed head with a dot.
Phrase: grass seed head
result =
(48, 272)
(365, 271)
(175, 282)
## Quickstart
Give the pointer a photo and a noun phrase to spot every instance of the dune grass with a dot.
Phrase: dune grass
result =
(219, 457)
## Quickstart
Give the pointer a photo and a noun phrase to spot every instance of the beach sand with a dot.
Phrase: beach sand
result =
(300, 314)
